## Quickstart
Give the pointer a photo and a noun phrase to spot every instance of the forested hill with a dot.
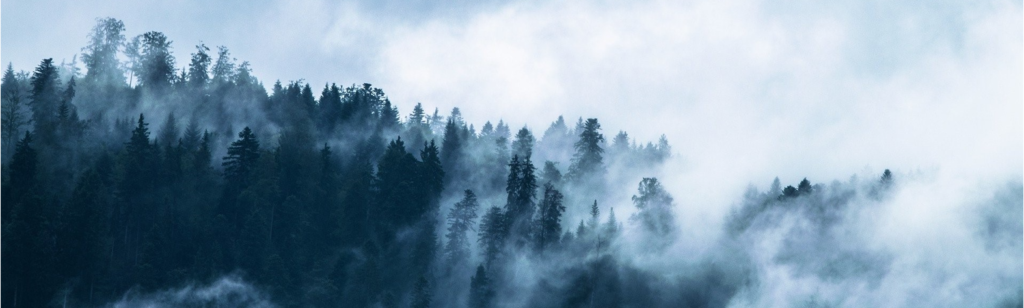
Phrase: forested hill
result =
(134, 179)
(137, 175)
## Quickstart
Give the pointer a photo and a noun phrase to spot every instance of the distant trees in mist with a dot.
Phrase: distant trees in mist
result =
(140, 174)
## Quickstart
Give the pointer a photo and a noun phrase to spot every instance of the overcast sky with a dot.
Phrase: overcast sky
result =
(745, 90)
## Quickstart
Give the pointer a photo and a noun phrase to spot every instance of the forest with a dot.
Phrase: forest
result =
(129, 174)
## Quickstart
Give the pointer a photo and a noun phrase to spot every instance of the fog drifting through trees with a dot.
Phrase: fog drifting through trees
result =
(131, 178)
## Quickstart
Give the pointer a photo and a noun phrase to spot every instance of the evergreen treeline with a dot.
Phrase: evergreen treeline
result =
(141, 173)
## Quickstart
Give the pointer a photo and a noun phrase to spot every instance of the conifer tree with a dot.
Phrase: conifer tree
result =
(588, 160)
(11, 115)
(22, 177)
(451, 149)
(805, 187)
(551, 175)
(198, 69)
(421, 294)
(156, 69)
(492, 234)
(460, 221)
(481, 292)
(523, 144)
(223, 69)
(654, 210)
(46, 98)
(139, 160)
(549, 227)
(100, 56)
(241, 159)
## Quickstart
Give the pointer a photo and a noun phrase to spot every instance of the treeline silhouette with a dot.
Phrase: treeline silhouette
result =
(320, 200)
(338, 199)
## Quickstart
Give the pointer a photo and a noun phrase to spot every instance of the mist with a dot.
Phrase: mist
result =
(514, 154)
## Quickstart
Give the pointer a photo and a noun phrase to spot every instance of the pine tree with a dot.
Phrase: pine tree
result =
(595, 213)
(776, 188)
(421, 294)
(224, 69)
(199, 68)
(399, 194)
(307, 104)
(481, 293)
(203, 157)
(549, 227)
(451, 149)
(654, 210)
(621, 142)
(156, 69)
(169, 131)
(241, 160)
(432, 171)
(388, 116)
(330, 108)
(526, 191)
(460, 220)
(805, 187)
(417, 116)
(192, 136)
(551, 174)
(523, 144)
(11, 115)
(588, 160)
(664, 150)
(886, 179)
(140, 160)
(611, 227)
(22, 177)
(512, 186)
(100, 56)
(29, 273)
(492, 234)
(46, 98)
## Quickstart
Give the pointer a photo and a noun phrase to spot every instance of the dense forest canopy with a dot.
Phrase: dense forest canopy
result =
(130, 176)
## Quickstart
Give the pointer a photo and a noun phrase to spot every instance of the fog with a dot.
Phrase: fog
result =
(745, 92)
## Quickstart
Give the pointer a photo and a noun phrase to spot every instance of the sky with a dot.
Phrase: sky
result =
(744, 90)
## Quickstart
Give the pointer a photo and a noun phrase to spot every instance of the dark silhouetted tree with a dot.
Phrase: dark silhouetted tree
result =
(588, 160)
(549, 224)
(241, 159)
(199, 68)
(805, 187)
(492, 234)
(481, 293)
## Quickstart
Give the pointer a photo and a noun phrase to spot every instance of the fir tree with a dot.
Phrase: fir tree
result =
(523, 144)
(481, 293)
(549, 227)
(588, 160)
(460, 221)
(242, 157)
(100, 56)
(198, 69)
(492, 234)
(421, 295)
(654, 210)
